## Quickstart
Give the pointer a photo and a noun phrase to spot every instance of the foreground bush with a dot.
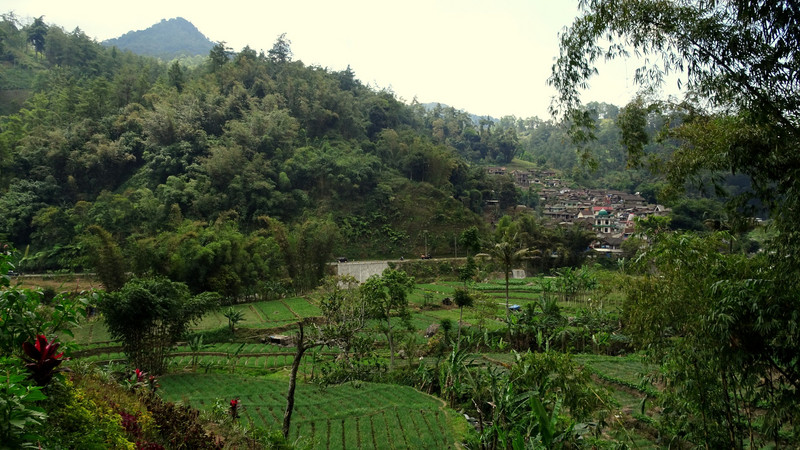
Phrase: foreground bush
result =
(149, 315)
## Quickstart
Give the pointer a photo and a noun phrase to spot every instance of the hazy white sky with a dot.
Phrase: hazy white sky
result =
(489, 58)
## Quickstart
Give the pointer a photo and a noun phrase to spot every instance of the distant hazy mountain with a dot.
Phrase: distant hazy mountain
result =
(167, 40)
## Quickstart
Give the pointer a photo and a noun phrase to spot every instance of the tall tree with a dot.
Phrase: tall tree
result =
(387, 296)
(281, 51)
(471, 240)
(107, 259)
(176, 76)
(312, 248)
(720, 326)
(344, 315)
(507, 253)
(735, 56)
(37, 31)
(739, 52)
(148, 316)
(218, 56)
(463, 299)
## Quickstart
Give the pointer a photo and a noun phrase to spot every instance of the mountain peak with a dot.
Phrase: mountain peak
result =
(168, 39)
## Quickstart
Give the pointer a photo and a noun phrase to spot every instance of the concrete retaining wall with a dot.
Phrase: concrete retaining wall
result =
(361, 270)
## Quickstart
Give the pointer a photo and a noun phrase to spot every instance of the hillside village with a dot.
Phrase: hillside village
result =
(609, 213)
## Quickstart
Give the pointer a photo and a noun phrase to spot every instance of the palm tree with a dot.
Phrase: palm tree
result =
(507, 253)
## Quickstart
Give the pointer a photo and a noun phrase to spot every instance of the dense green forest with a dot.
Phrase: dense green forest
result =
(247, 173)
(276, 153)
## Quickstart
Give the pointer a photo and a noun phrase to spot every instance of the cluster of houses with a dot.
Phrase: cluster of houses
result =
(610, 214)
(528, 178)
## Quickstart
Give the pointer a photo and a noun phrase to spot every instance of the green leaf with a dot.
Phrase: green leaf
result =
(35, 395)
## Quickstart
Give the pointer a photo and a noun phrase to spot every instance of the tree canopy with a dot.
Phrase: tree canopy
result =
(148, 316)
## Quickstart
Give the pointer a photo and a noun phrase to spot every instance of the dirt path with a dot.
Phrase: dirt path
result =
(258, 314)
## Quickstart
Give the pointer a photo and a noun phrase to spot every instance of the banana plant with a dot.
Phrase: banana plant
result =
(234, 316)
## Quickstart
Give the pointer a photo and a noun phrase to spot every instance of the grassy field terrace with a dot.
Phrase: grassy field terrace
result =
(244, 364)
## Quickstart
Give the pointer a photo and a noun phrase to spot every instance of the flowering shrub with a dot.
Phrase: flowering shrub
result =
(140, 378)
(42, 359)
(76, 420)
(235, 408)
(130, 422)
(152, 383)
(135, 419)
(179, 425)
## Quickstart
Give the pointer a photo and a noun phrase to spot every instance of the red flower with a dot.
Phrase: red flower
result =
(139, 375)
(42, 359)
(235, 408)
(152, 382)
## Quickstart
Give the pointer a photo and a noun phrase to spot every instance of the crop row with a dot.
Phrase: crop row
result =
(233, 347)
(638, 386)
(392, 427)
(625, 371)
(254, 361)
(243, 361)
(302, 307)
(228, 348)
(347, 416)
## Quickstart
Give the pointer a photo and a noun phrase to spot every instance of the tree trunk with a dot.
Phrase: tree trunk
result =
(460, 319)
(287, 415)
(508, 318)
(390, 338)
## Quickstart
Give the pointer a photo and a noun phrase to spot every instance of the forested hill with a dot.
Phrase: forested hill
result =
(186, 171)
(168, 39)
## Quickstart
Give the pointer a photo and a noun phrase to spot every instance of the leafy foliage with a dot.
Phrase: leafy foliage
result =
(19, 409)
(387, 295)
(108, 260)
(720, 323)
(179, 425)
(43, 359)
(234, 316)
(523, 407)
(77, 420)
(344, 310)
(720, 335)
(23, 319)
(148, 316)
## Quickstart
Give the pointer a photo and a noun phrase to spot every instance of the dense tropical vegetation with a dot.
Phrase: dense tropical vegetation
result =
(722, 326)
(208, 201)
